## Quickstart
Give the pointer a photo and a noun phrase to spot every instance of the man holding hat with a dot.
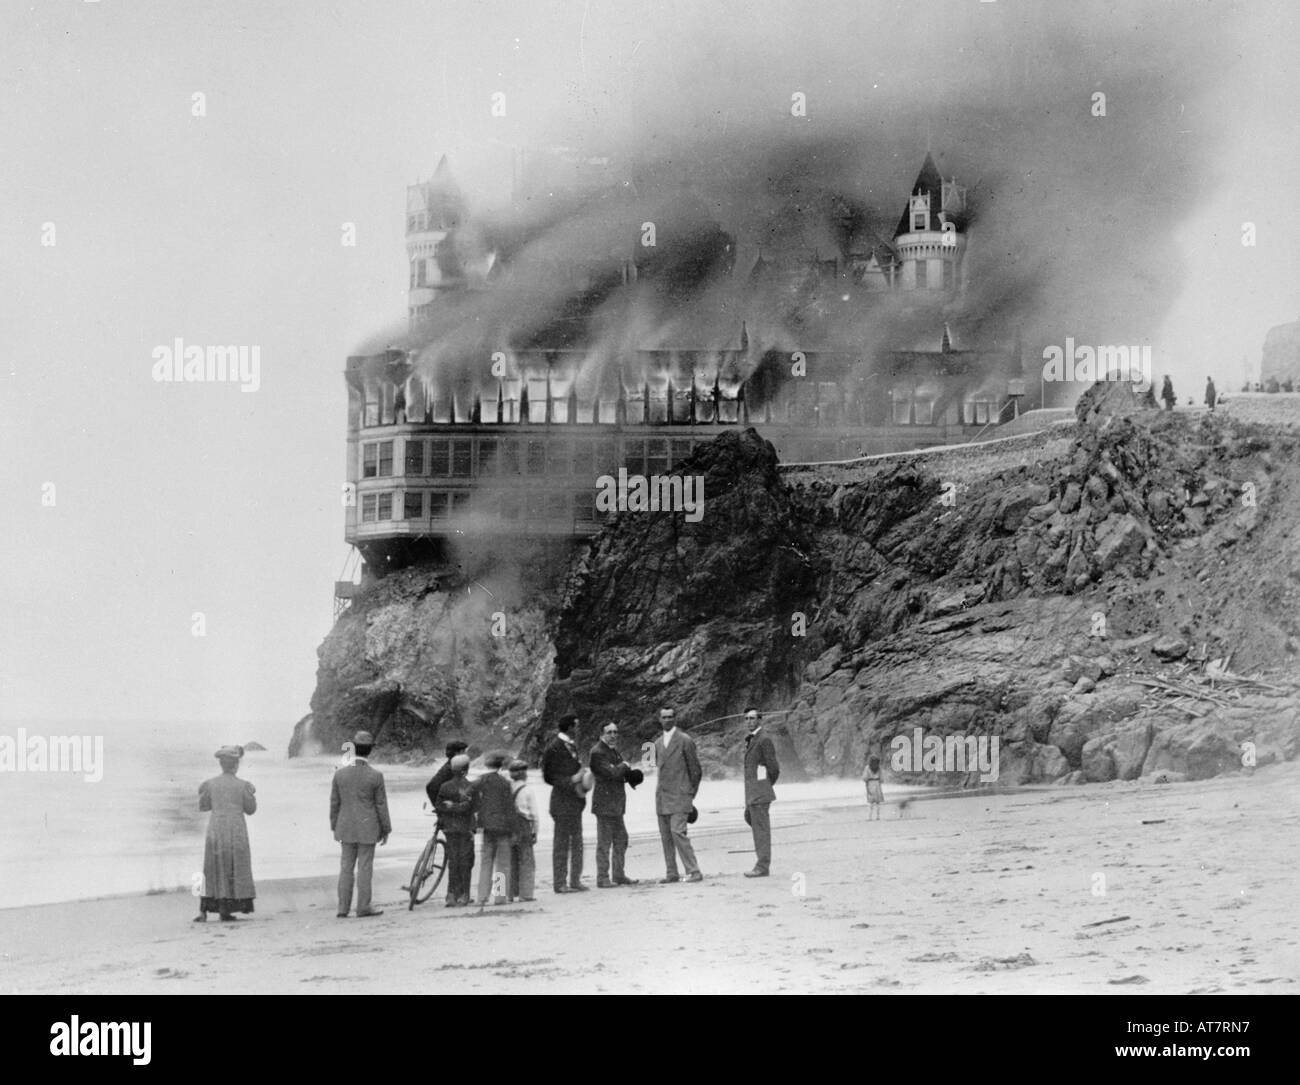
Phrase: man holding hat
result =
(563, 771)
(609, 803)
(679, 780)
(359, 818)
(761, 771)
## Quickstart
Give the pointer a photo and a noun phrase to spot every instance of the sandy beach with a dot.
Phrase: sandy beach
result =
(1122, 887)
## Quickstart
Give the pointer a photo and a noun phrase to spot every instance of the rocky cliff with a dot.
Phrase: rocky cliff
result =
(1070, 605)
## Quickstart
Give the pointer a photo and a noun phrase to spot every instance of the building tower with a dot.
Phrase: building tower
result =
(434, 211)
(931, 235)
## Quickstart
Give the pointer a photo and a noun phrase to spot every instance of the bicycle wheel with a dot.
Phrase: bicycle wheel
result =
(429, 869)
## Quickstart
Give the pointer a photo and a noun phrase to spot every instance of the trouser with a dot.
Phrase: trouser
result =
(460, 865)
(761, 824)
(566, 849)
(610, 831)
(362, 857)
(494, 866)
(523, 871)
(672, 831)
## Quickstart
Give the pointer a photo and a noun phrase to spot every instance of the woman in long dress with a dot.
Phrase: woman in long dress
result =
(227, 861)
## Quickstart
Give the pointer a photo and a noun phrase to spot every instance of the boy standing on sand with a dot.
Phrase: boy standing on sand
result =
(528, 820)
(875, 793)
(455, 807)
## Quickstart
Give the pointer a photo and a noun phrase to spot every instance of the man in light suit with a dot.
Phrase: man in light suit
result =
(761, 771)
(679, 779)
(359, 819)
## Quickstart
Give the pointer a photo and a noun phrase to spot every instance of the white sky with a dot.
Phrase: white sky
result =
(173, 499)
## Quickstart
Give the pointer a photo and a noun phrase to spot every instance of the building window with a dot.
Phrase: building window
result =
(414, 457)
(584, 458)
(368, 505)
(413, 505)
(487, 457)
(634, 457)
(536, 457)
(385, 506)
(422, 275)
(922, 274)
(918, 220)
(461, 458)
(681, 451)
(902, 410)
(377, 459)
(509, 457)
(440, 457)
(439, 505)
(656, 461)
(559, 458)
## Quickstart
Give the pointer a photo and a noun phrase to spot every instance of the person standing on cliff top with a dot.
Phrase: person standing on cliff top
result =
(1167, 393)
(679, 776)
(359, 819)
(761, 771)
(1210, 394)
(560, 766)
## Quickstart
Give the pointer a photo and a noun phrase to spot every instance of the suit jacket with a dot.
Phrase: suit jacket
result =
(609, 799)
(494, 803)
(439, 778)
(760, 751)
(359, 805)
(558, 769)
(455, 806)
(679, 774)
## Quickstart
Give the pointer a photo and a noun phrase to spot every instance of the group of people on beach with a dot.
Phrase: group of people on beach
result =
(500, 807)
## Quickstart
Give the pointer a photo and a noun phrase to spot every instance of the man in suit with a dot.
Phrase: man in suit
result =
(609, 803)
(358, 819)
(679, 780)
(444, 773)
(559, 766)
(761, 771)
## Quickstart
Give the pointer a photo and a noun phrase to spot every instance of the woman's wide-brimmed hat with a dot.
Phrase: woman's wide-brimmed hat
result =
(233, 752)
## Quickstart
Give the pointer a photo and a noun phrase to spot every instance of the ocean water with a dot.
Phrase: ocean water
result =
(139, 829)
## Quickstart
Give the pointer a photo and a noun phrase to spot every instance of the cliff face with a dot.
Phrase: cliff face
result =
(1281, 357)
(427, 654)
(1044, 604)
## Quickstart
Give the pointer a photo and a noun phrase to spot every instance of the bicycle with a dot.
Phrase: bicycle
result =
(429, 868)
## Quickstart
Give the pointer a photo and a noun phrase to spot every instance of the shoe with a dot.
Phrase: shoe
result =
(372, 911)
(626, 881)
(756, 873)
(500, 900)
(200, 918)
(696, 877)
(668, 880)
(561, 888)
(579, 888)
(229, 919)
(453, 904)
(341, 915)
(528, 900)
(604, 883)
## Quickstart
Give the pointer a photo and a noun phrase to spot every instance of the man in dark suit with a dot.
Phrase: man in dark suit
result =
(609, 803)
(761, 771)
(358, 819)
(560, 765)
(455, 807)
(679, 780)
(494, 807)
(444, 774)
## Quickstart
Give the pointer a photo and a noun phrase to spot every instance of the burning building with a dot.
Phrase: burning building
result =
(464, 429)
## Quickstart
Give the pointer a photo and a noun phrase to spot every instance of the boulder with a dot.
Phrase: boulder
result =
(1169, 647)
(1121, 540)
(1201, 749)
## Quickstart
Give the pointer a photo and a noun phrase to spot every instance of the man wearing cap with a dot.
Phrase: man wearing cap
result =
(560, 765)
(679, 780)
(761, 771)
(359, 819)
(494, 806)
(444, 773)
(455, 808)
(609, 803)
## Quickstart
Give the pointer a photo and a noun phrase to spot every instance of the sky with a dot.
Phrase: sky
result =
(133, 212)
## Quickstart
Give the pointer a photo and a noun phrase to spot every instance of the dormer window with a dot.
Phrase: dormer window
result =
(920, 211)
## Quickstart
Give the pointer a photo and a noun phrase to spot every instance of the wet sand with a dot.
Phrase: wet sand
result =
(1124, 887)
